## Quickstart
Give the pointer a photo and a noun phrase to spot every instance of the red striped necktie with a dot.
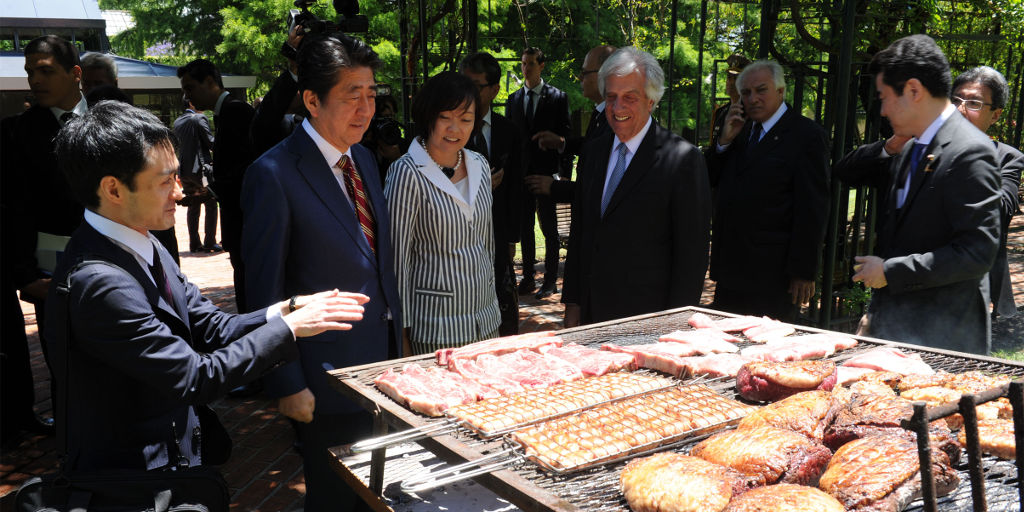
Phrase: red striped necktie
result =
(354, 186)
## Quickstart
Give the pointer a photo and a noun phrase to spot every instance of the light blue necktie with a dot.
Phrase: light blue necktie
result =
(617, 172)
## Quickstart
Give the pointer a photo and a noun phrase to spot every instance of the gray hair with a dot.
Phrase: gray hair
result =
(987, 77)
(778, 75)
(95, 60)
(629, 59)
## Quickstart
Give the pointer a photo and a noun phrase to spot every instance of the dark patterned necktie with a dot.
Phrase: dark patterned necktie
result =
(755, 135)
(160, 278)
(356, 192)
(530, 95)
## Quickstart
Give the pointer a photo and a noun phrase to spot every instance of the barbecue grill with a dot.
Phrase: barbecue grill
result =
(532, 488)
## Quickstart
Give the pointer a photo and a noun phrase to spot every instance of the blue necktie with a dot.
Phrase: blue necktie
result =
(617, 172)
(908, 173)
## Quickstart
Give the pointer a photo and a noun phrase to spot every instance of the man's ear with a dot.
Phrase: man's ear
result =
(995, 114)
(111, 190)
(312, 102)
(77, 71)
(915, 89)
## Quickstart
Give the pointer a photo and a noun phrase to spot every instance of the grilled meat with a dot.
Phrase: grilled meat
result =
(808, 413)
(867, 387)
(672, 482)
(923, 381)
(881, 473)
(869, 415)
(766, 455)
(995, 436)
(785, 498)
(975, 382)
(764, 381)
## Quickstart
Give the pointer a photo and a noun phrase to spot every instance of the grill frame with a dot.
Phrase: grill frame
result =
(596, 489)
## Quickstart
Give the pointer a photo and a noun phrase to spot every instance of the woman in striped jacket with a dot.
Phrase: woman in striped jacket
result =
(439, 197)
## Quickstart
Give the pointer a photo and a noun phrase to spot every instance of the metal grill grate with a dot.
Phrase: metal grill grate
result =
(597, 489)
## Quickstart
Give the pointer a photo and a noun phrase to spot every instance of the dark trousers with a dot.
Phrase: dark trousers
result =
(774, 302)
(544, 208)
(210, 226)
(325, 490)
(17, 392)
(505, 288)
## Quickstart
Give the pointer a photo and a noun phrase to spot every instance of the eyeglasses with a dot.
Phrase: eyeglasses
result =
(972, 105)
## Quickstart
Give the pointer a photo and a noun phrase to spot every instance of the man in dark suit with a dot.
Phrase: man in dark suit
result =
(941, 230)
(37, 205)
(232, 154)
(980, 94)
(562, 191)
(770, 170)
(498, 140)
(315, 216)
(142, 350)
(536, 107)
(643, 198)
(194, 143)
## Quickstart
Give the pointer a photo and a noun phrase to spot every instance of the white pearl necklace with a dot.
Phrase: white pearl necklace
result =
(448, 171)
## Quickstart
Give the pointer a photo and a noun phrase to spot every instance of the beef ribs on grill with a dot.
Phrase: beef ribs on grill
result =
(807, 413)
(881, 474)
(785, 498)
(767, 381)
(766, 455)
(672, 482)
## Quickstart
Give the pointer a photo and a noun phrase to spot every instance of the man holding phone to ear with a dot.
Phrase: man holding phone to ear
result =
(770, 167)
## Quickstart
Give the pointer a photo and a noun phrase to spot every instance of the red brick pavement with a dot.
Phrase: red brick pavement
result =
(264, 472)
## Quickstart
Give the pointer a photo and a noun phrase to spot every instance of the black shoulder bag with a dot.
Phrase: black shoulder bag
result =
(184, 489)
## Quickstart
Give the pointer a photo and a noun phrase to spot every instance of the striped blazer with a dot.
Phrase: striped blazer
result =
(444, 251)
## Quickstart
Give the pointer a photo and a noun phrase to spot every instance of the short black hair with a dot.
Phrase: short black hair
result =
(199, 69)
(106, 92)
(988, 77)
(111, 139)
(390, 100)
(482, 62)
(320, 59)
(536, 52)
(915, 56)
(63, 51)
(444, 91)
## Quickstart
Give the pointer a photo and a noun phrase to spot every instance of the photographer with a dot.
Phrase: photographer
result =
(385, 137)
(276, 114)
(194, 142)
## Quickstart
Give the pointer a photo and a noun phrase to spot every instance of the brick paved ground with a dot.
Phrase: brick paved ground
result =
(264, 472)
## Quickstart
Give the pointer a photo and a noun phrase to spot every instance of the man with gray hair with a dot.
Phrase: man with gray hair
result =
(98, 69)
(643, 199)
(770, 167)
(980, 93)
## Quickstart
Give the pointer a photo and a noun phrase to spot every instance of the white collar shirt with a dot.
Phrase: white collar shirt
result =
(79, 109)
(631, 145)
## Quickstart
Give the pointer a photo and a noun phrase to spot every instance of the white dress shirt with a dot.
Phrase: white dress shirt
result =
(631, 145)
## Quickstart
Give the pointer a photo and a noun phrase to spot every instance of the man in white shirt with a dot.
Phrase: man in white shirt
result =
(940, 232)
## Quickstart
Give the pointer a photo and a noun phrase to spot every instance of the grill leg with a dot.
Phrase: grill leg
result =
(1017, 400)
(380, 427)
(919, 424)
(977, 473)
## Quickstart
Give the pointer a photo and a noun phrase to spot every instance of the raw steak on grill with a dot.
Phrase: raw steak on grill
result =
(430, 391)
(765, 381)
(881, 473)
(497, 346)
(891, 360)
(591, 362)
(732, 324)
(766, 455)
(768, 330)
(807, 413)
(785, 498)
(713, 365)
(672, 482)
(663, 357)
(706, 340)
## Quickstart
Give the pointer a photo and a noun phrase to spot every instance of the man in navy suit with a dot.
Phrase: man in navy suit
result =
(142, 350)
(315, 216)
(770, 169)
(940, 235)
(536, 107)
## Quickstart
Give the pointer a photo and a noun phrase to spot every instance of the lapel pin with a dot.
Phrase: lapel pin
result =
(930, 159)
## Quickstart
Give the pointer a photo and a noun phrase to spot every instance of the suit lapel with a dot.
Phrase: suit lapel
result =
(645, 158)
(597, 167)
(929, 160)
(311, 165)
(772, 139)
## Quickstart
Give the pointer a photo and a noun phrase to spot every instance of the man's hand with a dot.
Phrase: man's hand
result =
(870, 271)
(496, 177)
(294, 39)
(299, 406)
(549, 141)
(324, 311)
(35, 292)
(802, 290)
(572, 315)
(539, 184)
(895, 144)
(734, 121)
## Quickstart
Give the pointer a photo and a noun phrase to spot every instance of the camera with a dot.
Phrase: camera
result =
(349, 20)
(386, 131)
